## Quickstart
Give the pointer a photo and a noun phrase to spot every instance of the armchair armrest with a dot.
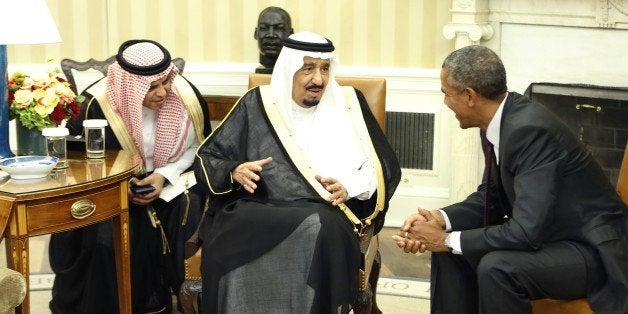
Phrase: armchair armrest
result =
(13, 287)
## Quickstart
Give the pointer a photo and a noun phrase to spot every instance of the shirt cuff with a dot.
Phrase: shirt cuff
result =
(170, 172)
(454, 241)
(447, 222)
(362, 184)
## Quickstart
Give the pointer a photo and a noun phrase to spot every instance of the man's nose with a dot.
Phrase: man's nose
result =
(317, 77)
(161, 90)
(271, 32)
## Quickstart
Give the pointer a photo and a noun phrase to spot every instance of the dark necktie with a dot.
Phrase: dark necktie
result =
(488, 164)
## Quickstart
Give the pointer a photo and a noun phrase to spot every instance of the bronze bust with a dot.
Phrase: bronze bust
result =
(273, 26)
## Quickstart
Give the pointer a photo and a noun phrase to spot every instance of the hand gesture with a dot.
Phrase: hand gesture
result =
(247, 174)
(338, 192)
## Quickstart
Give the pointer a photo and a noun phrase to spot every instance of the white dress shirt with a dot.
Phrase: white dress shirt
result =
(361, 183)
(172, 170)
(492, 135)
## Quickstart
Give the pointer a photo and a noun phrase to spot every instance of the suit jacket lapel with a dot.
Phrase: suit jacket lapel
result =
(504, 201)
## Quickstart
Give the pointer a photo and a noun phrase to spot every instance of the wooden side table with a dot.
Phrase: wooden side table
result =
(87, 192)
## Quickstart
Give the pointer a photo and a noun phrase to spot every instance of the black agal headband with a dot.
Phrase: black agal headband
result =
(143, 70)
(309, 46)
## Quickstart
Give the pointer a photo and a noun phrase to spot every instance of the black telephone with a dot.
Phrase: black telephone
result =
(142, 189)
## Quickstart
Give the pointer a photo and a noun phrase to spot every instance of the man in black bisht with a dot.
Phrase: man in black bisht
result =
(281, 168)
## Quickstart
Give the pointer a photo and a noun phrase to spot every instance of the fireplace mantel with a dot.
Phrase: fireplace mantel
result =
(575, 13)
(562, 41)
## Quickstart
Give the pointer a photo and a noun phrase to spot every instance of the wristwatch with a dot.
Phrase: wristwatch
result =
(448, 242)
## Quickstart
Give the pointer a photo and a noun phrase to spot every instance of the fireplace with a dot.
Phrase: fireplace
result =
(576, 49)
(597, 115)
(577, 43)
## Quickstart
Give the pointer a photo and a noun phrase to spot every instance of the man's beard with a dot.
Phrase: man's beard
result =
(311, 103)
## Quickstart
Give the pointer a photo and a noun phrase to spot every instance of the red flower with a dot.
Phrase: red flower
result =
(58, 114)
(31, 102)
(75, 109)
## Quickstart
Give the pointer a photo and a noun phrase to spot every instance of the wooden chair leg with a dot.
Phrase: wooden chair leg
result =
(373, 278)
(367, 303)
(189, 296)
(549, 306)
(187, 302)
(364, 304)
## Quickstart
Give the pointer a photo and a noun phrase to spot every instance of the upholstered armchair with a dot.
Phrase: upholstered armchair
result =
(12, 290)
(374, 90)
(581, 306)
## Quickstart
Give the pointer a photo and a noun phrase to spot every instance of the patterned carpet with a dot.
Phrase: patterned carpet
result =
(403, 286)
(394, 295)
(410, 288)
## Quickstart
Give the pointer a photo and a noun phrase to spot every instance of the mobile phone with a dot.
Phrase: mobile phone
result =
(142, 189)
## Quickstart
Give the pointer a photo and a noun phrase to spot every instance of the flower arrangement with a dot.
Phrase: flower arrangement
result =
(42, 102)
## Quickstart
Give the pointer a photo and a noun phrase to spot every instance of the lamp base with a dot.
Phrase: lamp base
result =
(5, 150)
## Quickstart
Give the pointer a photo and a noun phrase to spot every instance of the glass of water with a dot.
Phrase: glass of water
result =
(56, 145)
(95, 137)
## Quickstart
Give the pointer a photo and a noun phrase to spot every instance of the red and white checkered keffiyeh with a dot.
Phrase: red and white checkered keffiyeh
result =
(126, 92)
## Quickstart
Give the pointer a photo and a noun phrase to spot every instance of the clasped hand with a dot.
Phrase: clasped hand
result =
(422, 231)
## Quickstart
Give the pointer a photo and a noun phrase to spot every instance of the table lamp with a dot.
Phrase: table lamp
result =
(21, 22)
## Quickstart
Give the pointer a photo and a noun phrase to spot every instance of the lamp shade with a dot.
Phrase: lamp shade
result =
(21, 22)
(27, 22)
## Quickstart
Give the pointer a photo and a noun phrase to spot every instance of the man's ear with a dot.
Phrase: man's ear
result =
(255, 34)
(472, 94)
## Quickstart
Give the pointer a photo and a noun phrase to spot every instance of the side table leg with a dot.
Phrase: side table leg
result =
(123, 255)
(17, 259)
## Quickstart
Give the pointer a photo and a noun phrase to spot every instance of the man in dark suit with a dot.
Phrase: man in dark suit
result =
(545, 222)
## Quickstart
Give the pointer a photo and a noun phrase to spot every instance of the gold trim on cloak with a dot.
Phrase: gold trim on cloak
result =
(99, 91)
(353, 107)
(305, 168)
(209, 184)
(119, 128)
(192, 105)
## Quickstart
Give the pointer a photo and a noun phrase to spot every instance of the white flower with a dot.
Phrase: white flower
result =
(23, 98)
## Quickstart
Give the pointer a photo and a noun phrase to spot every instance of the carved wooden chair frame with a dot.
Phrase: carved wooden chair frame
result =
(67, 65)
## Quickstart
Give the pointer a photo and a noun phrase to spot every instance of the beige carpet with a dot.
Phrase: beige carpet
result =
(395, 294)
(403, 296)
